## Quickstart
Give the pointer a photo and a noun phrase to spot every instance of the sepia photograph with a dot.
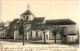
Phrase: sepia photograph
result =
(39, 25)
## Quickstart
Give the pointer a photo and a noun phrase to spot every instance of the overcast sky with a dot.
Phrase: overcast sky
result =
(12, 9)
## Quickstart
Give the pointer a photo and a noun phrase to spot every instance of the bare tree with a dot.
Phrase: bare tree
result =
(23, 23)
(61, 30)
(55, 29)
(2, 24)
(44, 31)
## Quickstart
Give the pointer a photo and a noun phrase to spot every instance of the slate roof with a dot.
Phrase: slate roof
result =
(36, 24)
(40, 27)
(36, 27)
(28, 12)
(2, 28)
(60, 22)
(13, 22)
(51, 22)
(38, 20)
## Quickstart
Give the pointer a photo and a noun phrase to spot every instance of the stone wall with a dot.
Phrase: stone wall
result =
(52, 37)
(28, 36)
(17, 36)
(72, 38)
(70, 29)
(34, 36)
(3, 33)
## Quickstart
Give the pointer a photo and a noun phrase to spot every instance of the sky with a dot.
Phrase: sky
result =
(50, 9)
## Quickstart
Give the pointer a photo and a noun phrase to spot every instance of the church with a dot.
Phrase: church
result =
(34, 28)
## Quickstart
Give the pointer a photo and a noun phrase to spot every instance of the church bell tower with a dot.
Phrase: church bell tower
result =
(27, 14)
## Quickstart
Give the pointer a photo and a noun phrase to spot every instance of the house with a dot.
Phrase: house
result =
(3, 32)
(34, 28)
(71, 38)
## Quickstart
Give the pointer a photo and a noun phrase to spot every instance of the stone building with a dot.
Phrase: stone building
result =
(35, 27)
(3, 32)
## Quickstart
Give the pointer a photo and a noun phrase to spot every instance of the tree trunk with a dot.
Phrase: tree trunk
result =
(23, 32)
(55, 38)
(61, 37)
(23, 39)
(44, 38)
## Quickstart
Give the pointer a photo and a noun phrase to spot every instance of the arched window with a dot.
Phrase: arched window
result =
(31, 33)
(36, 33)
(3, 34)
(27, 17)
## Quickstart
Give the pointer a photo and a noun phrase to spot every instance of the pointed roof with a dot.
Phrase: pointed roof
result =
(28, 12)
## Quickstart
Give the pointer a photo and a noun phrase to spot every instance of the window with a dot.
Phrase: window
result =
(31, 33)
(3, 34)
(27, 17)
(36, 33)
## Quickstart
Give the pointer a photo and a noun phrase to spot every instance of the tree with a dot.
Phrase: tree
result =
(61, 30)
(44, 31)
(2, 24)
(55, 29)
(22, 30)
(23, 23)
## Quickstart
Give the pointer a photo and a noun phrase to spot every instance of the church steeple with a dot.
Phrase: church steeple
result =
(28, 7)
(27, 14)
